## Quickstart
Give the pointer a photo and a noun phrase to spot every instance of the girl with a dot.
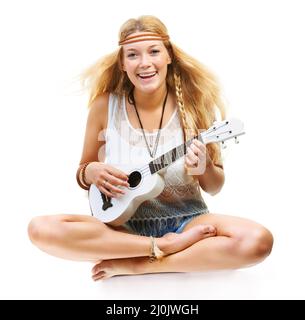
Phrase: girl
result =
(147, 97)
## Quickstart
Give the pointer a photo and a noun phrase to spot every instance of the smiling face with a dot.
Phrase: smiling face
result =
(145, 63)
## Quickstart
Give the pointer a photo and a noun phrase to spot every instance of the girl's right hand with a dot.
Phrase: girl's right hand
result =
(106, 178)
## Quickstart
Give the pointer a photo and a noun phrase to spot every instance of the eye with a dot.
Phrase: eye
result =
(155, 51)
(131, 55)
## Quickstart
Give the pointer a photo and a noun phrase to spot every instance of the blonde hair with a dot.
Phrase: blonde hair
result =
(196, 89)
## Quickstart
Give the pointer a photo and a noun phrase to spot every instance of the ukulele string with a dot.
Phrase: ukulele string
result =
(145, 169)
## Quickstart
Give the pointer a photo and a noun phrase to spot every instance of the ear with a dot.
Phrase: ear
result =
(169, 60)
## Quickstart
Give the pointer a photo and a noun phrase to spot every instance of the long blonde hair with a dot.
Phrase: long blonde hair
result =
(196, 89)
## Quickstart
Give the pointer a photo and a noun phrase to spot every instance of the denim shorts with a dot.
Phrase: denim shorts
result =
(186, 221)
(159, 227)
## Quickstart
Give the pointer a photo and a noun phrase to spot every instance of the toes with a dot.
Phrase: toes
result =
(208, 230)
(99, 275)
(212, 229)
(97, 267)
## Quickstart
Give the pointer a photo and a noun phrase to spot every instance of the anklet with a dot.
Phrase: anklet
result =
(155, 252)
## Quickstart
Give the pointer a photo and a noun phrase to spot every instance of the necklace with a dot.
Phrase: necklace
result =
(132, 101)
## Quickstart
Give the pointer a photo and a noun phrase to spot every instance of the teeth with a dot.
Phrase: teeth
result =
(147, 74)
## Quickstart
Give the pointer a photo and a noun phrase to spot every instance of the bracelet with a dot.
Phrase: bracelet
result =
(155, 252)
(81, 177)
(83, 171)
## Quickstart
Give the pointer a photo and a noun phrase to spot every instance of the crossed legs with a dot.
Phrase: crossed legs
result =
(84, 238)
(238, 243)
(208, 242)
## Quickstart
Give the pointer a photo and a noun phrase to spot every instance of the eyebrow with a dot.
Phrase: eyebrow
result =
(133, 49)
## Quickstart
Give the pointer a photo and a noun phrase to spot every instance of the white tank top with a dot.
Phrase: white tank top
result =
(125, 144)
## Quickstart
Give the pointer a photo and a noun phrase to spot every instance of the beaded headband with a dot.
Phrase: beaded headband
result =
(143, 37)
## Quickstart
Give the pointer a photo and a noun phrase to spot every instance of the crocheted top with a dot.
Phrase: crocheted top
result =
(181, 195)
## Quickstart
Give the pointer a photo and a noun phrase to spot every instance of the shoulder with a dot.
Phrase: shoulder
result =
(99, 109)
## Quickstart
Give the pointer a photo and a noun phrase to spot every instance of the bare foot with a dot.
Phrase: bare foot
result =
(169, 243)
(174, 242)
(106, 269)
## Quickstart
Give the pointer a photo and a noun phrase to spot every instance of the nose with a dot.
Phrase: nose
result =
(145, 61)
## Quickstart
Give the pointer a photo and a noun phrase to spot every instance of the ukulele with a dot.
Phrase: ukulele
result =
(145, 182)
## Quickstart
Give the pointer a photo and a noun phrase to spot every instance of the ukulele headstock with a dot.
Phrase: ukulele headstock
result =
(222, 131)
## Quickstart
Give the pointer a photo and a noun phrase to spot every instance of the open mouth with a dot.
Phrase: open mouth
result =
(147, 75)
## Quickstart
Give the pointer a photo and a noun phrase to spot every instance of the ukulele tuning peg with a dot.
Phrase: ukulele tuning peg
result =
(223, 145)
(236, 140)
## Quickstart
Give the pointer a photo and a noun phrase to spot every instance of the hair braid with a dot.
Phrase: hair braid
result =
(179, 96)
(180, 102)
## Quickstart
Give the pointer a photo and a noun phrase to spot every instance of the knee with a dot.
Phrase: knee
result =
(257, 244)
(34, 229)
(44, 230)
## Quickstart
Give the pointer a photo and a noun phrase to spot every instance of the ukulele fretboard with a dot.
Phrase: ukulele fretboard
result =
(171, 156)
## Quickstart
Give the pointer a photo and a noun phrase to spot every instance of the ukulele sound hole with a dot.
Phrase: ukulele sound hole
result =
(134, 179)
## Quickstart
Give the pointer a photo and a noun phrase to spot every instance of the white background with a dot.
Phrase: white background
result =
(256, 48)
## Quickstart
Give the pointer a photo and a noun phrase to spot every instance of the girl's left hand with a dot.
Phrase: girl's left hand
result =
(197, 158)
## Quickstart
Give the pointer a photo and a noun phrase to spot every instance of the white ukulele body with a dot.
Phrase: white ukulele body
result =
(116, 211)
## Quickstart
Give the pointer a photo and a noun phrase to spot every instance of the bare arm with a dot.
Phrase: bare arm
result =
(210, 176)
(96, 123)
(97, 172)
(212, 180)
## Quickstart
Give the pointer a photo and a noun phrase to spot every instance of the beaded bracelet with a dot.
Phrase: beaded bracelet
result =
(155, 252)
(81, 177)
